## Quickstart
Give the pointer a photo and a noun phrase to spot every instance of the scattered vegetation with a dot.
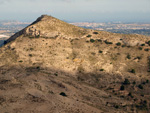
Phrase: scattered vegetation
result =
(148, 42)
(126, 82)
(31, 49)
(147, 49)
(128, 56)
(123, 45)
(100, 51)
(122, 87)
(38, 67)
(148, 64)
(142, 44)
(30, 55)
(89, 36)
(37, 36)
(140, 86)
(118, 44)
(101, 70)
(133, 82)
(92, 40)
(130, 94)
(63, 94)
(140, 48)
(108, 42)
(138, 57)
(132, 70)
(56, 74)
(99, 40)
(20, 61)
(95, 32)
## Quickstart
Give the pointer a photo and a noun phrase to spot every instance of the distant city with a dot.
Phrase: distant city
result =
(124, 28)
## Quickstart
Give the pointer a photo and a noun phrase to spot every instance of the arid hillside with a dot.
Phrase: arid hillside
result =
(52, 66)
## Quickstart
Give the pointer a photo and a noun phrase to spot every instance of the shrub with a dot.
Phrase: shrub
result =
(56, 74)
(149, 64)
(140, 86)
(99, 40)
(116, 106)
(31, 49)
(140, 48)
(118, 44)
(147, 81)
(122, 87)
(20, 61)
(92, 40)
(63, 94)
(147, 49)
(37, 36)
(132, 71)
(126, 82)
(95, 32)
(30, 55)
(100, 51)
(130, 94)
(134, 82)
(108, 42)
(148, 42)
(128, 56)
(101, 70)
(138, 57)
(38, 67)
(123, 45)
(142, 44)
(88, 35)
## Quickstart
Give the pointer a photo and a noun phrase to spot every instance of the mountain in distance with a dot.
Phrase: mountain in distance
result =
(52, 66)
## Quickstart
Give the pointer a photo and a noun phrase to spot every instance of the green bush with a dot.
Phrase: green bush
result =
(108, 42)
(147, 81)
(95, 32)
(89, 36)
(140, 48)
(138, 57)
(140, 86)
(99, 40)
(128, 56)
(101, 70)
(118, 44)
(132, 71)
(92, 40)
(147, 49)
(126, 82)
(30, 55)
(20, 61)
(134, 83)
(148, 42)
(142, 44)
(63, 94)
(100, 51)
(130, 94)
(122, 87)
(123, 45)
(37, 36)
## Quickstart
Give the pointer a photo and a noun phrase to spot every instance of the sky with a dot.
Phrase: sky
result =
(77, 10)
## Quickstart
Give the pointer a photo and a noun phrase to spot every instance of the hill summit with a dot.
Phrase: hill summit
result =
(48, 27)
(60, 67)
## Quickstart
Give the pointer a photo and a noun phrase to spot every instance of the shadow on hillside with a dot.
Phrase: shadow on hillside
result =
(102, 85)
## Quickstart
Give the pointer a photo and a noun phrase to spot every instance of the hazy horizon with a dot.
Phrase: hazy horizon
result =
(77, 11)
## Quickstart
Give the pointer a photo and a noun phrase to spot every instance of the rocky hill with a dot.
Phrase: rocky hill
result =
(53, 66)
